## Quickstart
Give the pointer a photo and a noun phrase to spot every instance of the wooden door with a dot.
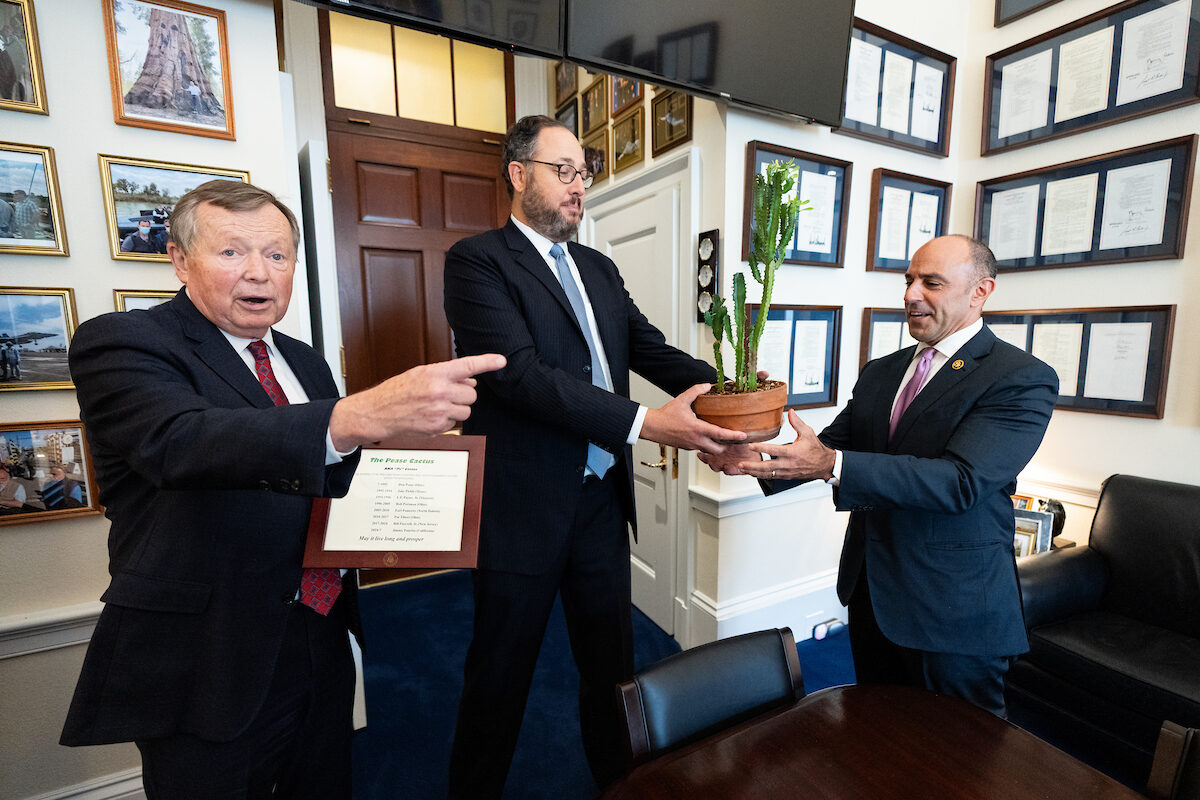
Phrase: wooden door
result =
(398, 206)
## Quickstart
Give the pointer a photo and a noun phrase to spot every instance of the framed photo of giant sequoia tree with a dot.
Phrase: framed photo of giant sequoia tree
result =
(168, 63)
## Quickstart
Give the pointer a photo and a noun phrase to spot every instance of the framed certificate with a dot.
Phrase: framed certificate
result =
(414, 502)
(906, 212)
(800, 347)
(884, 331)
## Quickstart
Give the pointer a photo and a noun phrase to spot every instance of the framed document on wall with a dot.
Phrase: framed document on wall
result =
(1129, 205)
(884, 331)
(898, 91)
(1135, 58)
(906, 212)
(1108, 360)
(800, 347)
(820, 237)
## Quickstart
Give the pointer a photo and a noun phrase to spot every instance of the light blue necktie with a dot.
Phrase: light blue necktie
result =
(598, 459)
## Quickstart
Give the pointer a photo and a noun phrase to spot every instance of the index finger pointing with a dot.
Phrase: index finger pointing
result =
(467, 366)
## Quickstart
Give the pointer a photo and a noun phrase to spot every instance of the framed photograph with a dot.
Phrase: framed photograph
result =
(1129, 205)
(629, 140)
(21, 85)
(594, 111)
(45, 472)
(884, 331)
(1136, 58)
(569, 115)
(1034, 532)
(672, 121)
(139, 196)
(1022, 501)
(566, 81)
(1008, 10)
(168, 64)
(898, 91)
(31, 217)
(595, 154)
(135, 299)
(800, 346)
(36, 326)
(1108, 360)
(906, 212)
(625, 93)
(820, 238)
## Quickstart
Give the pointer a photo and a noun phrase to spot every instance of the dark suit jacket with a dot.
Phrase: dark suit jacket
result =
(208, 487)
(540, 411)
(930, 512)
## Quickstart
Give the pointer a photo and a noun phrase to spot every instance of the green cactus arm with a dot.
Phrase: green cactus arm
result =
(739, 322)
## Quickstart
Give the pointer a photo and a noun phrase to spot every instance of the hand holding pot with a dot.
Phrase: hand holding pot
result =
(676, 425)
(804, 459)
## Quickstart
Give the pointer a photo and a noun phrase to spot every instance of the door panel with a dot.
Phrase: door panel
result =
(397, 207)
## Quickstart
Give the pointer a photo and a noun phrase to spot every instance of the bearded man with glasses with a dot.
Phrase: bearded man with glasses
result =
(558, 486)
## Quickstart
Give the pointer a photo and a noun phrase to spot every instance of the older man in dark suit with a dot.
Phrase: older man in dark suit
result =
(558, 490)
(925, 457)
(225, 661)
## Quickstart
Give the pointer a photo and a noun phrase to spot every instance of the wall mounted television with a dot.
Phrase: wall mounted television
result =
(785, 56)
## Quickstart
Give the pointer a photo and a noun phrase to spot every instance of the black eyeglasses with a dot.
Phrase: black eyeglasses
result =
(567, 173)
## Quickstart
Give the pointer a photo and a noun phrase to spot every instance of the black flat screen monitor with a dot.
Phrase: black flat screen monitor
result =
(523, 26)
(786, 55)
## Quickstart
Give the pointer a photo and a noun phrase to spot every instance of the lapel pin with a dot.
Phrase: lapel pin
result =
(958, 364)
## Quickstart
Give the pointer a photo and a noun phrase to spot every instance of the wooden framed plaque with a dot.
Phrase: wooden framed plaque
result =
(414, 502)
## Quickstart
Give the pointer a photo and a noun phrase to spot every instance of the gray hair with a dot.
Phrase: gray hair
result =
(982, 257)
(230, 195)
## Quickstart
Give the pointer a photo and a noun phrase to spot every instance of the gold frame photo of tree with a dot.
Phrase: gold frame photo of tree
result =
(168, 64)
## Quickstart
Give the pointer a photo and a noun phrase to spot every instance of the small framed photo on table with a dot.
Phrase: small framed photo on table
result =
(1034, 532)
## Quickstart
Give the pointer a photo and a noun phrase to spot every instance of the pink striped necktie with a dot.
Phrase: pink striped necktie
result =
(910, 389)
(319, 587)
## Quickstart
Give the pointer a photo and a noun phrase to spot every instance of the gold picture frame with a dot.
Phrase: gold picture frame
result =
(671, 125)
(629, 140)
(30, 453)
(593, 112)
(596, 155)
(31, 223)
(151, 189)
(625, 93)
(566, 81)
(36, 326)
(28, 90)
(135, 299)
(166, 71)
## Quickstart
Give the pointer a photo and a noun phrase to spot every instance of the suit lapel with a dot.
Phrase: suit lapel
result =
(527, 256)
(310, 374)
(961, 364)
(214, 349)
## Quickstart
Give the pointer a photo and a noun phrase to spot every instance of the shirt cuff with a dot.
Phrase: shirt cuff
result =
(332, 454)
(836, 480)
(638, 420)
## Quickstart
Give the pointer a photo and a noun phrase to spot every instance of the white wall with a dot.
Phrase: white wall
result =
(52, 573)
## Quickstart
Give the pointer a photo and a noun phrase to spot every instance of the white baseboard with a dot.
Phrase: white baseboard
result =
(124, 785)
(798, 605)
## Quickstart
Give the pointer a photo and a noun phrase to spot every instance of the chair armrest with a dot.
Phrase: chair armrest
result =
(1061, 583)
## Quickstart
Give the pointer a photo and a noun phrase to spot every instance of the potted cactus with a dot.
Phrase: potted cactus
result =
(743, 402)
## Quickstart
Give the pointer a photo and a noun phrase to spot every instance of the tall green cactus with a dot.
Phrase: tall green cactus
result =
(774, 225)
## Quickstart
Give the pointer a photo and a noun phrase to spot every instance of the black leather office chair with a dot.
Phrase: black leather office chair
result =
(1175, 774)
(687, 696)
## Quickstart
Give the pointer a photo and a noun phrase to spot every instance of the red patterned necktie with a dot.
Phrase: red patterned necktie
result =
(320, 587)
(910, 389)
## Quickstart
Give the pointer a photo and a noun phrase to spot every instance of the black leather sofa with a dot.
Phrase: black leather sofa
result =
(1114, 628)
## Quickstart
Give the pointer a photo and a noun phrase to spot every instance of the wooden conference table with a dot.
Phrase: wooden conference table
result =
(870, 743)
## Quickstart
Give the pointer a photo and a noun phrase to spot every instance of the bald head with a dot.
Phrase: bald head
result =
(949, 280)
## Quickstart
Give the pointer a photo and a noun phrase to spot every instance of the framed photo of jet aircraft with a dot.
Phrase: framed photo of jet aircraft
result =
(36, 326)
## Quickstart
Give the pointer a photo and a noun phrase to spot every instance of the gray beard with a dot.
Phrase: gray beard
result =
(547, 220)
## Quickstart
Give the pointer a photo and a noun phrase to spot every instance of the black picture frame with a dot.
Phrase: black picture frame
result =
(869, 38)
(1029, 58)
(758, 155)
(885, 182)
(1008, 10)
(1153, 324)
(1114, 237)
(884, 331)
(825, 319)
(568, 115)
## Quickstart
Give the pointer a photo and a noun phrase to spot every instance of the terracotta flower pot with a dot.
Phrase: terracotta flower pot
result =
(759, 414)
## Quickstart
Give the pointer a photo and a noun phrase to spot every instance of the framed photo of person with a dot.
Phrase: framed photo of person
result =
(906, 212)
(1136, 58)
(31, 216)
(569, 115)
(820, 237)
(22, 87)
(629, 140)
(168, 64)
(36, 326)
(800, 347)
(138, 197)
(45, 472)
(625, 93)
(566, 81)
(139, 299)
(1034, 532)
(595, 155)
(671, 124)
(594, 101)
